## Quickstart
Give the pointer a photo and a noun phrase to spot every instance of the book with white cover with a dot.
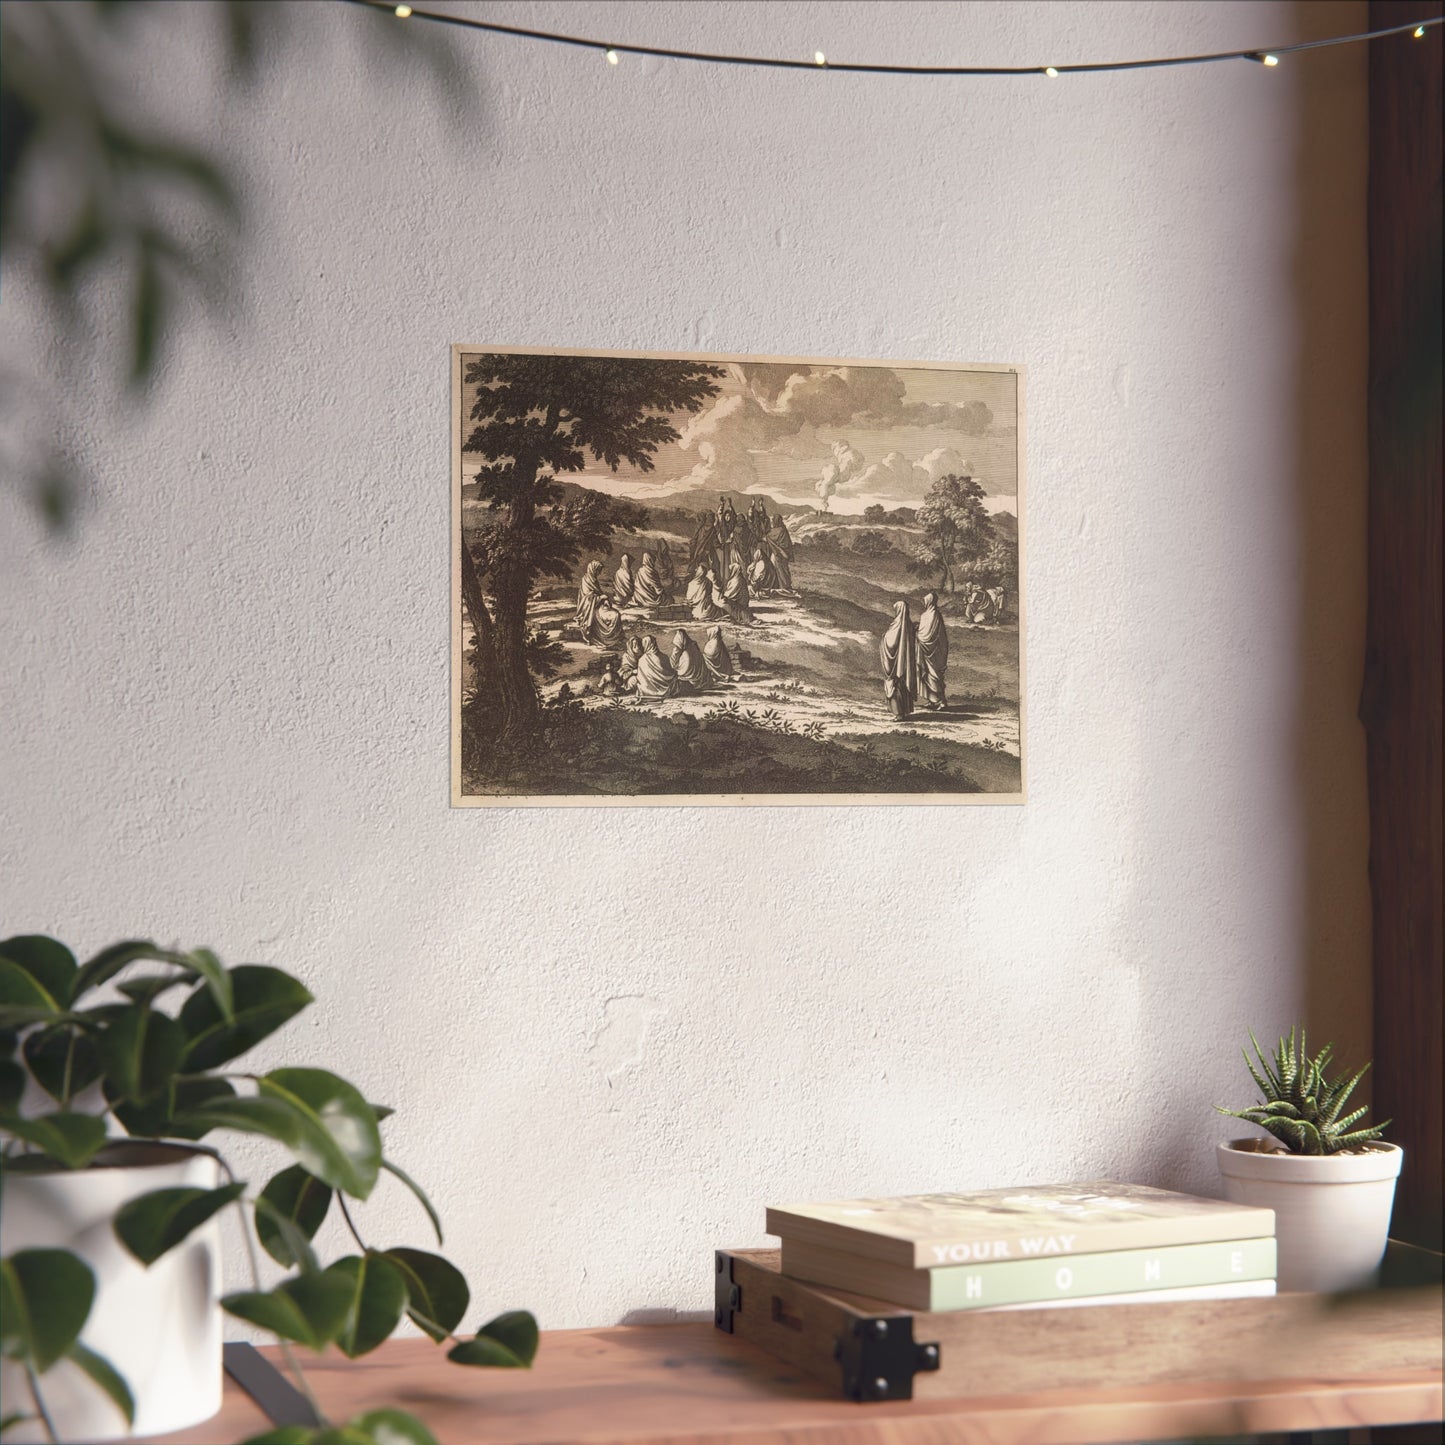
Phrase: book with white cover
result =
(924, 1231)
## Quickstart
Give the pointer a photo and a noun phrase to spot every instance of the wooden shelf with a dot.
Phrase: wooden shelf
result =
(694, 1385)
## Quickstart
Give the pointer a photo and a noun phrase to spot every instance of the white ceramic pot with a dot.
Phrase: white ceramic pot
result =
(160, 1327)
(1331, 1211)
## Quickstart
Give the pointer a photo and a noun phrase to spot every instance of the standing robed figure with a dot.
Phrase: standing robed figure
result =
(898, 654)
(780, 552)
(932, 652)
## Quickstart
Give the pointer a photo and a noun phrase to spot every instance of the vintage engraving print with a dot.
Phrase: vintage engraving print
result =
(718, 579)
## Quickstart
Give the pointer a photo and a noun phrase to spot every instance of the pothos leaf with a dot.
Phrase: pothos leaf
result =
(507, 1342)
(104, 1374)
(298, 1197)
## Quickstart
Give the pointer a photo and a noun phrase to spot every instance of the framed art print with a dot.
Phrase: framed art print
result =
(735, 580)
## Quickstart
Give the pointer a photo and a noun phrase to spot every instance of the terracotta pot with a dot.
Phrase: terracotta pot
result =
(1331, 1211)
(160, 1327)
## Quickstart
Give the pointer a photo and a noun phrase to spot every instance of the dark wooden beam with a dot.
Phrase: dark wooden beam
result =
(1400, 704)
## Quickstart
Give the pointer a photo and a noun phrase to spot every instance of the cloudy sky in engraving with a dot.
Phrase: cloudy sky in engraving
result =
(849, 436)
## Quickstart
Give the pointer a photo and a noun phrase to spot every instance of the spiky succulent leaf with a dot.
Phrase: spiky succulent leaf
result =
(1360, 1136)
(1284, 1107)
(1300, 1105)
(1260, 1083)
(1338, 1126)
(1285, 1065)
(1337, 1100)
(1269, 1086)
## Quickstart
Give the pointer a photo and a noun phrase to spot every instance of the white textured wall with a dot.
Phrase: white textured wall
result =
(612, 1037)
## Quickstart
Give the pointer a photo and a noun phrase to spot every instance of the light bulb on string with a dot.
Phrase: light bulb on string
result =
(1260, 57)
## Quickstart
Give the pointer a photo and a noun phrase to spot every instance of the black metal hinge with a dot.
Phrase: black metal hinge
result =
(727, 1296)
(880, 1357)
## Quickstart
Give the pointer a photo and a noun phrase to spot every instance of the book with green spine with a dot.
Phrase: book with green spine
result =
(924, 1231)
(1034, 1281)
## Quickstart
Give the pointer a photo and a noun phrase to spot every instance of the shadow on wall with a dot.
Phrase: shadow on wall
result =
(160, 220)
(1331, 302)
(1329, 830)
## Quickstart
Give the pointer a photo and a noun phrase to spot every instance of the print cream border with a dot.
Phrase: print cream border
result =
(718, 800)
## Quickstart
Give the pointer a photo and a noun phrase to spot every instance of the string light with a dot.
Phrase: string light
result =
(1260, 56)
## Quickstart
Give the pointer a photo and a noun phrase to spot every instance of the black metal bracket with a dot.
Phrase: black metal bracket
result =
(280, 1401)
(727, 1296)
(880, 1357)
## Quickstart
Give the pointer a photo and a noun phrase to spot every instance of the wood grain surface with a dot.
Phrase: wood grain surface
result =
(1273, 1340)
(670, 1384)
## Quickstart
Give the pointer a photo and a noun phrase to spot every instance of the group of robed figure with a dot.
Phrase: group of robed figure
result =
(914, 658)
(722, 582)
(654, 676)
(732, 559)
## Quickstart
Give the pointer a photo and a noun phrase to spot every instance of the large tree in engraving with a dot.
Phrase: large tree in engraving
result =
(956, 530)
(537, 417)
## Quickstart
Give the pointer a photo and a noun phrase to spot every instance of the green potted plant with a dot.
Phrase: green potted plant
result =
(1331, 1185)
(114, 1085)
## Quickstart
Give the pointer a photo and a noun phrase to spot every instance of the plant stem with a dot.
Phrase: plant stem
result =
(69, 1066)
(346, 1215)
(39, 1403)
(361, 1243)
(292, 1363)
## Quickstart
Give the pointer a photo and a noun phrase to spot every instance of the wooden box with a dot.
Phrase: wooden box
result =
(871, 1350)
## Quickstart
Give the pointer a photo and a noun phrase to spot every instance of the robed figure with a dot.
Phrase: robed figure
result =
(779, 543)
(717, 657)
(705, 551)
(735, 595)
(758, 518)
(898, 654)
(607, 630)
(662, 561)
(687, 662)
(627, 665)
(598, 621)
(932, 652)
(727, 521)
(647, 590)
(656, 680)
(761, 575)
(589, 597)
(622, 582)
(701, 593)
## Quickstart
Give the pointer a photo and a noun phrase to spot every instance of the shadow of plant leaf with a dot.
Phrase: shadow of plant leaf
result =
(87, 186)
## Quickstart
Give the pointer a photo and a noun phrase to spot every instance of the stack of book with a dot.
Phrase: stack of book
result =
(1031, 1247)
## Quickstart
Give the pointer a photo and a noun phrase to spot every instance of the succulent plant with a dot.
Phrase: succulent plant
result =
(1301, 1107)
